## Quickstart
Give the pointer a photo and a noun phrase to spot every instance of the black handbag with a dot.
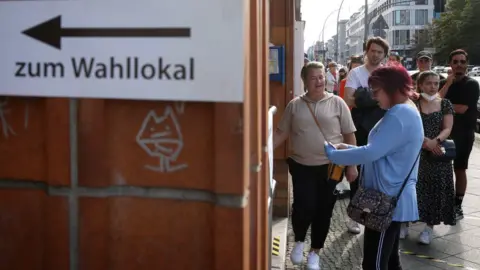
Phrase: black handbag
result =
(373, 208)
(447, 146)
(364, 98)
(448, 149)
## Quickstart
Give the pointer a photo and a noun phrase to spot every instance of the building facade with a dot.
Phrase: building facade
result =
(315, 52)
(398, 21)
(342, 36)
(354, 33)
(330, 54)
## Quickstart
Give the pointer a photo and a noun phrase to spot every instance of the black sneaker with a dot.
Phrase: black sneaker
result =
(459, 212)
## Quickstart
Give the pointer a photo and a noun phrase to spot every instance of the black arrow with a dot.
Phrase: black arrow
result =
(51, 32)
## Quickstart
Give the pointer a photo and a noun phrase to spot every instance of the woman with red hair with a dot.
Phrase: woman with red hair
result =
(390, 162)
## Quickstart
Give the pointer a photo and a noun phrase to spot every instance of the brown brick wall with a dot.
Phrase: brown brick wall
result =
(122, 214)
(282, 33)
(34, 230)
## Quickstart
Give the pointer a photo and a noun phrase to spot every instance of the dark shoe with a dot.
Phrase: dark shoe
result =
(459, 213)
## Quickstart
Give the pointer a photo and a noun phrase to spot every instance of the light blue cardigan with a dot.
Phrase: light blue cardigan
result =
(393, 146)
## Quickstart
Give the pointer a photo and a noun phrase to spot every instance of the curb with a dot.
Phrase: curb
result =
(477, 140)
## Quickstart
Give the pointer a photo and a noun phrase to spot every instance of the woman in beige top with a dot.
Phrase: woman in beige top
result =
(313, 193)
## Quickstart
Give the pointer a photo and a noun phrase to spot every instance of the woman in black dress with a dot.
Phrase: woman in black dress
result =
(435, 189)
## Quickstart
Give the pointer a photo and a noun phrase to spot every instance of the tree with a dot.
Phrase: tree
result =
(468, 28)
(422, 39)
(456, 28)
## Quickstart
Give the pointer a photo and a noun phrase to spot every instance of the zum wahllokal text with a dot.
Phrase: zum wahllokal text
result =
(87, 67)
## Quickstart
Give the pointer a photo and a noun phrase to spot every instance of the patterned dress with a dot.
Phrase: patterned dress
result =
(435, 190)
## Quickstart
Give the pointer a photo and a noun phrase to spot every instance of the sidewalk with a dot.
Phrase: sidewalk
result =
(456, 247)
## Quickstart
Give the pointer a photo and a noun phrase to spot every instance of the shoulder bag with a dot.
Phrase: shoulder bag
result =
(372, 208)
(335, 172)
(447, 146)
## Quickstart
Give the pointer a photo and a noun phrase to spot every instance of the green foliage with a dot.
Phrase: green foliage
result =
(422, 39)
(457, 28)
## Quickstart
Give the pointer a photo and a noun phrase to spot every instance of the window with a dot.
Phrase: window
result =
(401, 37)
(421, 17)
(421, 2)
(401, 17)
(401, 2)
(439, 5)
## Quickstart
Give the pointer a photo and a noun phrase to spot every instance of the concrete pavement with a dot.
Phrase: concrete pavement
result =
(453, 247)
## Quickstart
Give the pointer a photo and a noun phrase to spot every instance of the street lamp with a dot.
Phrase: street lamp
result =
(367, 23)
(336, 41)
(323, 31)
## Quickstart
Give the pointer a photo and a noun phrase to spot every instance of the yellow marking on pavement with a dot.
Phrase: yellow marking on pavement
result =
(276, 246)
(426, 257)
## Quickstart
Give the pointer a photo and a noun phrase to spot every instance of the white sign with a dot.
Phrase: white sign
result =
(187, 50)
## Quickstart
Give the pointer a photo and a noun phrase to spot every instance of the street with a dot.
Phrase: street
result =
(456, 247)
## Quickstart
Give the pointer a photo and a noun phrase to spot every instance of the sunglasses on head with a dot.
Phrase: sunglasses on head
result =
(456, 62)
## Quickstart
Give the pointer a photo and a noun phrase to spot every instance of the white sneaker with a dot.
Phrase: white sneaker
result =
(313, 261)
(297, 253)
(425, 237)
(353, 226)
(403, 231)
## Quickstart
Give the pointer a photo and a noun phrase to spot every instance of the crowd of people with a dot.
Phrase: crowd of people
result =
(397, 138)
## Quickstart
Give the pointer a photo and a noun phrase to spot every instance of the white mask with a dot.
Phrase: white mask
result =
(429, 97)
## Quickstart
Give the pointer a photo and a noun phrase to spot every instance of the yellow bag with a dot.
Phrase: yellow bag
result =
(336, 172)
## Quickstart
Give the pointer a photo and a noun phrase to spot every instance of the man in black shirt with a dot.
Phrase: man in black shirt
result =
(463, 92)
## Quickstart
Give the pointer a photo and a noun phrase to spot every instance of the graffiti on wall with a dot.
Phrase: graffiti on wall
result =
(160, 136)
(5, 110)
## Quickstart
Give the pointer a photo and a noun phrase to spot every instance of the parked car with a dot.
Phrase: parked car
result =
(411, 72)
(474, 72)
(439, 69)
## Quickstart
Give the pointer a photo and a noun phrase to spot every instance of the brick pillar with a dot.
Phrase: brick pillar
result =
(282, 33)
(282, 203)
(132, 206)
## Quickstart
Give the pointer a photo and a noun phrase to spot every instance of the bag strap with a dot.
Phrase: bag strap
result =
(362, 171)
(408, 176)
(314, 118)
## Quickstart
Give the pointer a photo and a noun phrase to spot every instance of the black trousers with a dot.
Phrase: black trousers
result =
(381, 249)
(464, 141)
(313, 200)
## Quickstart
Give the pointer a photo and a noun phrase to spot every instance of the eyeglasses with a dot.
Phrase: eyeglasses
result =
(456, 62)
